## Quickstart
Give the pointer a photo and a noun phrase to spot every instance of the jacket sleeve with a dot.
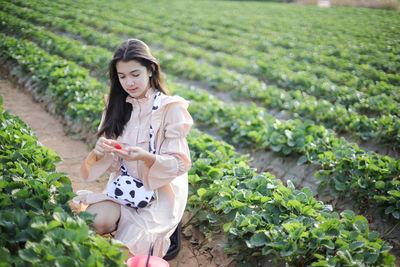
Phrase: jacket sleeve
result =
(92, 169)
(173, 157)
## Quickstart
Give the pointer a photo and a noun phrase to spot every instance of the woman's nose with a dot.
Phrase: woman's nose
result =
(130, 81)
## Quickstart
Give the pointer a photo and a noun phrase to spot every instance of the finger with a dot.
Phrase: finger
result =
(132, 148)
(125, 155)
(109, 142)
(99, 147)
(106, 146)
(98, 151)
(121, 151)
(102, 140)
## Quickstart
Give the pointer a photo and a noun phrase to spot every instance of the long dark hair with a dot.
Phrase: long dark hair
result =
(118, 111)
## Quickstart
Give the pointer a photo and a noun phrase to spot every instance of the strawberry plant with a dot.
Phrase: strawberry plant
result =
(37, 227)
(263, 217)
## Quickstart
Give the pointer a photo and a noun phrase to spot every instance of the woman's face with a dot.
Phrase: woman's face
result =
(134, 78)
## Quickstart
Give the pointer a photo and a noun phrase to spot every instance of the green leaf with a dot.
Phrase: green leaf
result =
(23, 193)
(340, 186)
(287, 150)
(302, 160)
(389, 210)
(41, 225)
(201, 191)
(213, 218)
(54, 177)
(380, 185)
(29, 255)
(396, 214)
(372, 236)
(348, 214)
(278, 244)
(294, 203)
(356, 244)
(360, 223)
(215, 173)
(327, 243)
(257, 240)
(286, 253)
(53, 224)
(371, 258)
(227, 226)
(65, 261)
(276, 148)
(394, 193)
(353, 235)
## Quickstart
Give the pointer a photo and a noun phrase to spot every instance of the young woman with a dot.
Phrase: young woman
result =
(152, 127)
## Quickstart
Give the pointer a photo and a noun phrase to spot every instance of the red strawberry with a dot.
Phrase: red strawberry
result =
(117, 145)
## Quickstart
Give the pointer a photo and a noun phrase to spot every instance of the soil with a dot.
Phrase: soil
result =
(195, 251)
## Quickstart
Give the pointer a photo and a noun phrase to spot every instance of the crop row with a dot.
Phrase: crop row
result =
(291, 72)
(281, 68)
(370, 179)
(280, 26)
(276, 33)
(37, 227)
(271, 67)
(252, 128)
(327, 33)
(334, 116)
(258, 213)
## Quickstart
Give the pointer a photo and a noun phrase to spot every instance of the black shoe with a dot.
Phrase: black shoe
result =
(175, 246)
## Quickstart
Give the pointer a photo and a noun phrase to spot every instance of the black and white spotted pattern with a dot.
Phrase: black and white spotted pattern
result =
(156, 105)
(127, 189)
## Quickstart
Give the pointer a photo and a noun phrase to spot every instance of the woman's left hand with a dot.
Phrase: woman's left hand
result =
(132, 153)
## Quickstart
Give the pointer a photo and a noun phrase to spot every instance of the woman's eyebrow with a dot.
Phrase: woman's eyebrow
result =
(135, 70)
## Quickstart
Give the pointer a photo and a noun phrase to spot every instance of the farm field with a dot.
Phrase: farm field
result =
(296, 141)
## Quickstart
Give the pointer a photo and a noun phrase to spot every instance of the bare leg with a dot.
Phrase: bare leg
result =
(108, 214)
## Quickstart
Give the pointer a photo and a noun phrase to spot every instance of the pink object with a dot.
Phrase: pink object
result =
(140, 261)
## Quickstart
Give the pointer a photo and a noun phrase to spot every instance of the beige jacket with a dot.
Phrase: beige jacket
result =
(167, 176)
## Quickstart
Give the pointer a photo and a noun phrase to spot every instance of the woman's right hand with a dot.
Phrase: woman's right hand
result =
(103, 145)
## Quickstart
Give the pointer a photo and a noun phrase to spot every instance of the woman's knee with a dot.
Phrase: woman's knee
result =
(104, 227)
(107, 216)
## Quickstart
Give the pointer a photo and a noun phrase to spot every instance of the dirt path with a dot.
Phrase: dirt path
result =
(51, 134)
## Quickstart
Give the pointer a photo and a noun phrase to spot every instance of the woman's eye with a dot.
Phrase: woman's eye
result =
(136, 75)
(121, 77)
